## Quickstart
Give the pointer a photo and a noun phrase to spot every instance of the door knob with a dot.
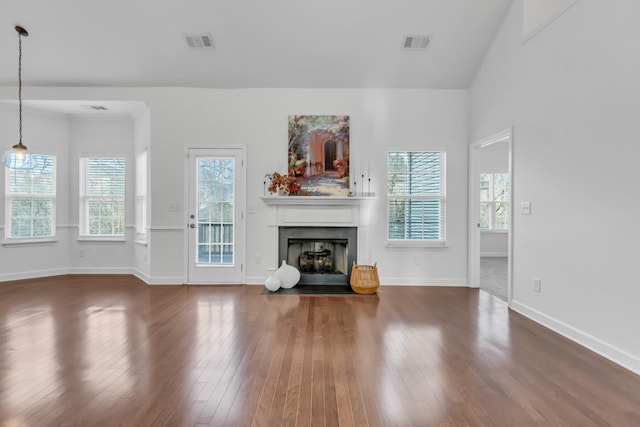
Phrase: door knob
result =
(192, 225)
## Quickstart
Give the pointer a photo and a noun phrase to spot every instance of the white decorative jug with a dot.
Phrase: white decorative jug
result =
(289, 275)
(272, 283)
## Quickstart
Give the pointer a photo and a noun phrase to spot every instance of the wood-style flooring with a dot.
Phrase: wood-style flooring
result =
(111, 351)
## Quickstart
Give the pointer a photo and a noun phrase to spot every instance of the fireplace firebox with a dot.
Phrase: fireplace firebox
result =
(324, 255)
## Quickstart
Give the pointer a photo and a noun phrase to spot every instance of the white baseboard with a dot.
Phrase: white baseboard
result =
(255, 280)
(493, 254)
(613, 353)
(164, 280)
(423, 281)
(142, 276)
(101, 270)
(169, 280)
(149, 280)
(33, 274)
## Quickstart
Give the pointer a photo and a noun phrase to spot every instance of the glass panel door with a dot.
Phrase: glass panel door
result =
(216, 217)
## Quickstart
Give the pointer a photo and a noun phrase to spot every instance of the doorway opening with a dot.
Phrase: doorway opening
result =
(491, 214)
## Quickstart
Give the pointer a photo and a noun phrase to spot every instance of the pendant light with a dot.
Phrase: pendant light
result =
(18, 157)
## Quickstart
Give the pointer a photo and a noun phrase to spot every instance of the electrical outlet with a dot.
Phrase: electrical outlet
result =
(536, 285)
(258, 259)
(82, 252)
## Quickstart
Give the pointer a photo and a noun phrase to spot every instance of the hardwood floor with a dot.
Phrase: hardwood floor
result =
(110, 350)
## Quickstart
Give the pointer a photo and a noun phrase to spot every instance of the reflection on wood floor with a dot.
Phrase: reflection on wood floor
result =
(110, 350)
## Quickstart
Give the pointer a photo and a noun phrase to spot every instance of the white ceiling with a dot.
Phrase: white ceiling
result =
(130, 109)
(258, 43)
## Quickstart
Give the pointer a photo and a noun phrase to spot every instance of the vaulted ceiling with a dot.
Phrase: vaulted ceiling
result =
(257, 43)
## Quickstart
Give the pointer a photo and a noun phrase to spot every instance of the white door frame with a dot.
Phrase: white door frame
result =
(241, 225)
(473, 259)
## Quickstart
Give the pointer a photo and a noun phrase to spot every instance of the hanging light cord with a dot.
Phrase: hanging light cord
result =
(20, 86)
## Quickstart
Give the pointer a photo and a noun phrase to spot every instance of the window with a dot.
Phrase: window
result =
(31, 200)
(416, 196)
(102, 186)
(494, 201)
(141, 197)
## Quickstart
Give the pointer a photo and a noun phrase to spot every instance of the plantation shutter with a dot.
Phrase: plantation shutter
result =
(415, 193)
(102, 190)
(30, 200)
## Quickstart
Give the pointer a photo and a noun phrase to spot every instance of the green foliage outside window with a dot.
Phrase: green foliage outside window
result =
(31, 199)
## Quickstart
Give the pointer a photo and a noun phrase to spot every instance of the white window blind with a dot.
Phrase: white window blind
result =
(102, 191)
(416, 196)
(30, 200)
(494, 201)
(141, 197)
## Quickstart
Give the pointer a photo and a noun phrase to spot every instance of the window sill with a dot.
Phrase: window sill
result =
(408, 244)
(27, 242)
(494, 231)
(101, 239)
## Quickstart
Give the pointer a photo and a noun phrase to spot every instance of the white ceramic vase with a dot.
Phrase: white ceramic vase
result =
(272, 283)
(289, 275)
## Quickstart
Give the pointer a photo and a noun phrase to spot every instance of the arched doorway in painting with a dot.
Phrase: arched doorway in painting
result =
(330, 154)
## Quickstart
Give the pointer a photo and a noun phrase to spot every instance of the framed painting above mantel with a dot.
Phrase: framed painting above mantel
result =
(318, 155)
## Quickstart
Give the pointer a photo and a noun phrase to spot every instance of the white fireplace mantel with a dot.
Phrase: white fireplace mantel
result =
(315, 200)
(319, 210)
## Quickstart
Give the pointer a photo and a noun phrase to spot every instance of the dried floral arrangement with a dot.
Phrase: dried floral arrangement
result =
(283, 184)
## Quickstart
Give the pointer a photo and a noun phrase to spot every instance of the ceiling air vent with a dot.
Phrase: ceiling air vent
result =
(199, 41)
(416, 42)
(95, 107)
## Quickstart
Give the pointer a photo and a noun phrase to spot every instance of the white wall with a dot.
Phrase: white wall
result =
(142, 142)
(102, 137)
(50, 134)
(572, 94)
(539, 13)
(380, 120)
(494, 244)
(494, 158)
(257, 119)
(68, 139)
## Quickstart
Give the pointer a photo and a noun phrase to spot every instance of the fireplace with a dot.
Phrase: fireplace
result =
(324, 255)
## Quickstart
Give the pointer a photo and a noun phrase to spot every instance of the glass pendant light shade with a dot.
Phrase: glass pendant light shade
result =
(18, 158)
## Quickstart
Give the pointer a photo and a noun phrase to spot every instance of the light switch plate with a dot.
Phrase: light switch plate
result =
(525, 208)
